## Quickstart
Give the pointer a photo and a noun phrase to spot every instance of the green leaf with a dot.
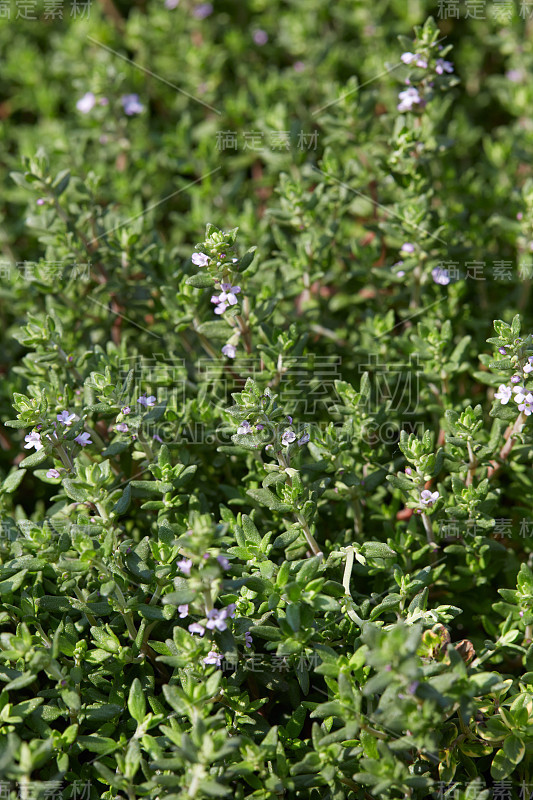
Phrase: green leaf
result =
(200, 281)
(514, 749)
(266, 498)
(377, 550)
(13, 480)
(137, 701)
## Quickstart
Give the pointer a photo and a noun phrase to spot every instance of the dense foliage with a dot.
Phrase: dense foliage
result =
(266, 484)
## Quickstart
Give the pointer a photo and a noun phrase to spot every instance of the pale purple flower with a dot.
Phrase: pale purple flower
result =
(428, 498)
(195, 627)
(227, 297)
(83, 439)
(103, 101)
(408, 58)
(33, 439)
(260, 37)
(305, 438)
(503, 394)
(228, 611)
(213, 657)
(185, 566)
(131, 104)
(515, 75)
(86, 103)
(66, 418)
(248, 639)
(229, 350)
(408, 98)
(528, 368)
(157, 438)
(200, 259)
(502, 351)
(421, 62)
(443, 66)
(407, 248)
(527, 405)
(183, 610)
(244, 427)
(515, 379)
(223, 561)
(519, 394)
(126, 410)
(171, 4)
(41, 201)
(440, 276)
(216, 619)
(519, 216)
(147, 401)
(298, 66)
(53, 473)
(287, 438)
(203, 10)
(122, 427)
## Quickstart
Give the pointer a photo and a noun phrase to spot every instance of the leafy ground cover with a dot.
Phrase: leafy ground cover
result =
(266, 493)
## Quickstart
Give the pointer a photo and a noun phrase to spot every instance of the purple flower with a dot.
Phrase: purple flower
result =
(229, 350)
(519, 394)
(260, 37)
(83, 439)
(171, 4)
(203, 10)
(157, 438)
(41, 201)
(131, 104)
(122, 427)
(515, 379)
(407, 248)
(503, 394)
(305, 438)
(229, 611)
(200, 259)
(428, 498)
(502, 350)
(408, 58)
(213, 657)
(287, 438)
(185, 566)
(408, 98)
(126, 410)
(519, 216)
(298, 66)
(195, 627)
(86, 103)
(53, 473)
(244, 427)
(216, 619)
(104, 101)
(147, 401)
(183, 610)
(248, 639)
(527, 405)
(227, 297)
(443, 66)
(440, 276)
(223, 561)
(421, 62)
(66, 418)
(33, 439)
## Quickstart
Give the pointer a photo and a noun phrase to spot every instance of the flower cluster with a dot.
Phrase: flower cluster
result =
(130, 103)
(522, 396)
(416, 96)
